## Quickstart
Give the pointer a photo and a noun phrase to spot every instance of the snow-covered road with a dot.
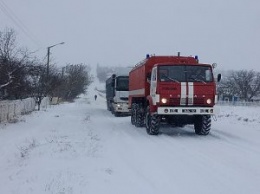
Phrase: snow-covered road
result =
(82, 148)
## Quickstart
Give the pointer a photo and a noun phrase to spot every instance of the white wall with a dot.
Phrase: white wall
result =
(12, 109)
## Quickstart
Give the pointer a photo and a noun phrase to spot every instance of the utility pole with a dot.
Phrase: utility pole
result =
(48, 62)
(48, 57)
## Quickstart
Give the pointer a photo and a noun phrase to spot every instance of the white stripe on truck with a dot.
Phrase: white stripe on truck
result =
(190, 93)
(183, 93)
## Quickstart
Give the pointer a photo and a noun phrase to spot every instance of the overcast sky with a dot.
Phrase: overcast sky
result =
(120, 32)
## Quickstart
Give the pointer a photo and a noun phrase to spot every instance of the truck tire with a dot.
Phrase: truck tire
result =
(133, 114)
(139, 116)
(112, 110)
(108, 108)
(202, 124)
(152, 123)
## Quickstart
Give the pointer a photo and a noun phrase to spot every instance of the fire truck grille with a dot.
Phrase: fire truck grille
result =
(196, 101)
(174, 101)
(199, 101)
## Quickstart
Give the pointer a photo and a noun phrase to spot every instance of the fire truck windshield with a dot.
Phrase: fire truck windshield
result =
(122, 83)
(185, 73)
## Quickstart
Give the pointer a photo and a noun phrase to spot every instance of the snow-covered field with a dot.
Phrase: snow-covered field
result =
(80, 148)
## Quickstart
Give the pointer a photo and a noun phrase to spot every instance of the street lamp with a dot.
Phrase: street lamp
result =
(48, 57)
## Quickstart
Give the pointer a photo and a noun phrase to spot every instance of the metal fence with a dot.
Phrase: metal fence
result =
(238, 103)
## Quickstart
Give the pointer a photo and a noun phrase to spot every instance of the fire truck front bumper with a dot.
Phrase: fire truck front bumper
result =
(187, 110)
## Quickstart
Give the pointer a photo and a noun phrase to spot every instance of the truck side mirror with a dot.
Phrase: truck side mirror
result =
(219, 77)
(113, 80)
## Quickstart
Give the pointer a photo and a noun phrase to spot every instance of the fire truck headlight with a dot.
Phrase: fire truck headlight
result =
(164, 100)
(209, 101)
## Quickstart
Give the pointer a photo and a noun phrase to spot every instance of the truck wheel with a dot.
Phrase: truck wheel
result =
(133, 114)
(202, 124)
(152, 123)
(108, 108)
(112, 110)
(139, 116)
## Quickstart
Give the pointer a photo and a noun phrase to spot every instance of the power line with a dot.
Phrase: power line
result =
(10, 14)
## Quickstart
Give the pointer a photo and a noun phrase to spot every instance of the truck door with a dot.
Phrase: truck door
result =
(153, 86)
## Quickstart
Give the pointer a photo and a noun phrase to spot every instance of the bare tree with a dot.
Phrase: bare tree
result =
(243, 83)
(75, 80)
(8, 48)
(13, 65)
(23, 76)
(7, 41)
(37, 85)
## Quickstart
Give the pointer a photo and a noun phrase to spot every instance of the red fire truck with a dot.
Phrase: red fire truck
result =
(172, 90)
